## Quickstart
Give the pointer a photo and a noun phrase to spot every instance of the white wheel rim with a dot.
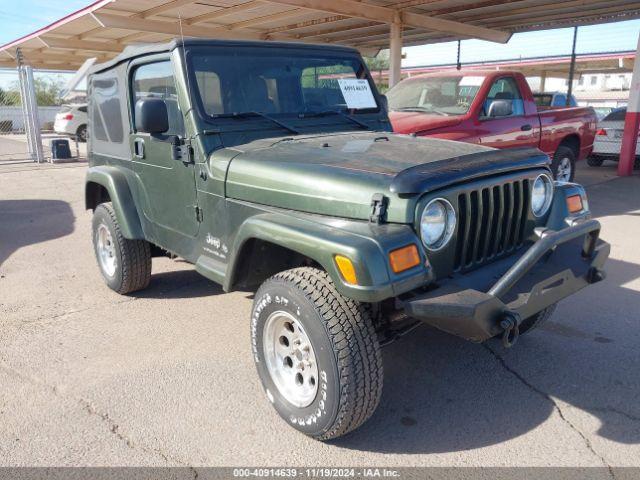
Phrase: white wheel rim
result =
(106, 250)
(290, 359)
(564, 170)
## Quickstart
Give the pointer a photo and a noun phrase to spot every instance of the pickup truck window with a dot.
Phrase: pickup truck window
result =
(157, 80)
(505, 88)
(438, 95)
(273, 84)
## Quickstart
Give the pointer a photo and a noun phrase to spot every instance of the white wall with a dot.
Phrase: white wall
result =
(45, 115)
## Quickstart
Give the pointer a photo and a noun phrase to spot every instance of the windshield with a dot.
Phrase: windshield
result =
(437, 95)
(276, 82)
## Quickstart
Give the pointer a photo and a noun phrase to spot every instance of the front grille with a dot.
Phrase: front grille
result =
(491, 222)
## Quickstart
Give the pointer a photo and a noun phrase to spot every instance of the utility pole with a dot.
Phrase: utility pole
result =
(572, 67)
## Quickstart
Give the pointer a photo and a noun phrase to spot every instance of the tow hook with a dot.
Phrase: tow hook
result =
(511, 326)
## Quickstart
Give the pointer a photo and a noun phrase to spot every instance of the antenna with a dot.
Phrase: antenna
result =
(184, 60)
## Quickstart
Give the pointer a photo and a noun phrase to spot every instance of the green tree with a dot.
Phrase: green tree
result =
(376, 66)
(48, 90)
(9, 98)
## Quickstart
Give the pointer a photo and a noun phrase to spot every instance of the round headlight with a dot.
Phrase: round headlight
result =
(541, 195)
(437, 223)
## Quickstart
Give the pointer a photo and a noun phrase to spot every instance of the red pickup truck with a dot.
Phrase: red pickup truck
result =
(493, 108)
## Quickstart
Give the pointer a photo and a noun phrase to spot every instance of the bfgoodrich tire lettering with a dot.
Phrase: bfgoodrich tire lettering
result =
(132, 257)
(345, 346)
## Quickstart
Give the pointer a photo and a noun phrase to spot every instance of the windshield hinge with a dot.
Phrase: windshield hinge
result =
(378, 208)
(182, 150)
(198, 211)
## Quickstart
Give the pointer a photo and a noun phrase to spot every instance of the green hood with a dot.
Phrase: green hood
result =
(334, 174)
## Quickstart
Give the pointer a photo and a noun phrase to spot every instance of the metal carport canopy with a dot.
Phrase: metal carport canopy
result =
(105, 27)
(102, 29)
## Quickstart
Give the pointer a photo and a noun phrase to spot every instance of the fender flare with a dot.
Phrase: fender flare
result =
(320, 242)
(116, 184)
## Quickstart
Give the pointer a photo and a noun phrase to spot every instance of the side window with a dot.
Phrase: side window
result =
(156, 80)
(505, 88)
(107, 122)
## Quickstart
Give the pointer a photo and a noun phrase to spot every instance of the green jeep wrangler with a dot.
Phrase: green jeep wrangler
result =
(272, 165)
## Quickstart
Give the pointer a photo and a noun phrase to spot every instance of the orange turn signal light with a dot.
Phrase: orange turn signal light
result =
(347, 270)
(574, 204)
(404, 258)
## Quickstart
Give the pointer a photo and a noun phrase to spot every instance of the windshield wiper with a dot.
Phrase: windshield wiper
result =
(324, 113)
(259, 114)
(418, 109)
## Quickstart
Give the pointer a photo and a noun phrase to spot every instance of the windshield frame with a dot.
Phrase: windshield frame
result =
(222, 118)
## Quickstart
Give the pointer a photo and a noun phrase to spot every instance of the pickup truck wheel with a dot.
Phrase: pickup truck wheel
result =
(81, 134)
(125, 264)
(316, 352)
(537, 320)
(563, 165)
(595, 161)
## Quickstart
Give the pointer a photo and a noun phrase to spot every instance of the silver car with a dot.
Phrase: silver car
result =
(608, 141)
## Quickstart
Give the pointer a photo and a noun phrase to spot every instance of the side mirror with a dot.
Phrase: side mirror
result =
(151, 115)
(500, 108)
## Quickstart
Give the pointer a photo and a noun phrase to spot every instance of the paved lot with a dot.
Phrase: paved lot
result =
(165, 376)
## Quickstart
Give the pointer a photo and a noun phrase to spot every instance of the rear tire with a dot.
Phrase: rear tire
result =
(125, 264)
(316, 352)
(81, 134)
(563, 165)
(595, 161)
(537, 320)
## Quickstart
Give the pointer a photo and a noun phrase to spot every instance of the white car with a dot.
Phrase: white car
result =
(608, 141)
(72, 120)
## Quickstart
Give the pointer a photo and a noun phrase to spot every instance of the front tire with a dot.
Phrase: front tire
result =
(125, 264)
(563, 164)
(316, 353)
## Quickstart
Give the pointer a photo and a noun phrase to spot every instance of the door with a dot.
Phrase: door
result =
(168, 184)
(518, 129)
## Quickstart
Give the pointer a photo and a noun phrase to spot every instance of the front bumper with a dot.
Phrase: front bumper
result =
(474, 306)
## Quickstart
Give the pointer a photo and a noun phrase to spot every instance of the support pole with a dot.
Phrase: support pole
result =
(543, 82)
(395, 53)
(32, 112)
(572, 67)
(631, 122)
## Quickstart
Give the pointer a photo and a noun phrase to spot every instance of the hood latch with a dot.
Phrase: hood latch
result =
(378, 208)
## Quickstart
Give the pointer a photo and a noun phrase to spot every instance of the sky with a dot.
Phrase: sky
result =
(20, 17)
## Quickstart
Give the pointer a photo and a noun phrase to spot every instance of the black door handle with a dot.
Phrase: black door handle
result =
(526, 127)
(138, 147)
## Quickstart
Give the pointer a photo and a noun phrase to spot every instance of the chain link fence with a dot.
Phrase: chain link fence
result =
(28, 110)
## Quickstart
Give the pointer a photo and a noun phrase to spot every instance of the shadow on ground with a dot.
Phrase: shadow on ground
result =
(178, 284)
(26, 222)
(443, 394)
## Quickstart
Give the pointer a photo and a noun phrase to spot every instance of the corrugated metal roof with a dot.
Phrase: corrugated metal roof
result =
(105, 27)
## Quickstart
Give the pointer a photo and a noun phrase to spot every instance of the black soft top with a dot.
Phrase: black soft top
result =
(135, 51)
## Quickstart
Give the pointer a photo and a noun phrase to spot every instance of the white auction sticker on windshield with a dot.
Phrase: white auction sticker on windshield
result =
(357, 93)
